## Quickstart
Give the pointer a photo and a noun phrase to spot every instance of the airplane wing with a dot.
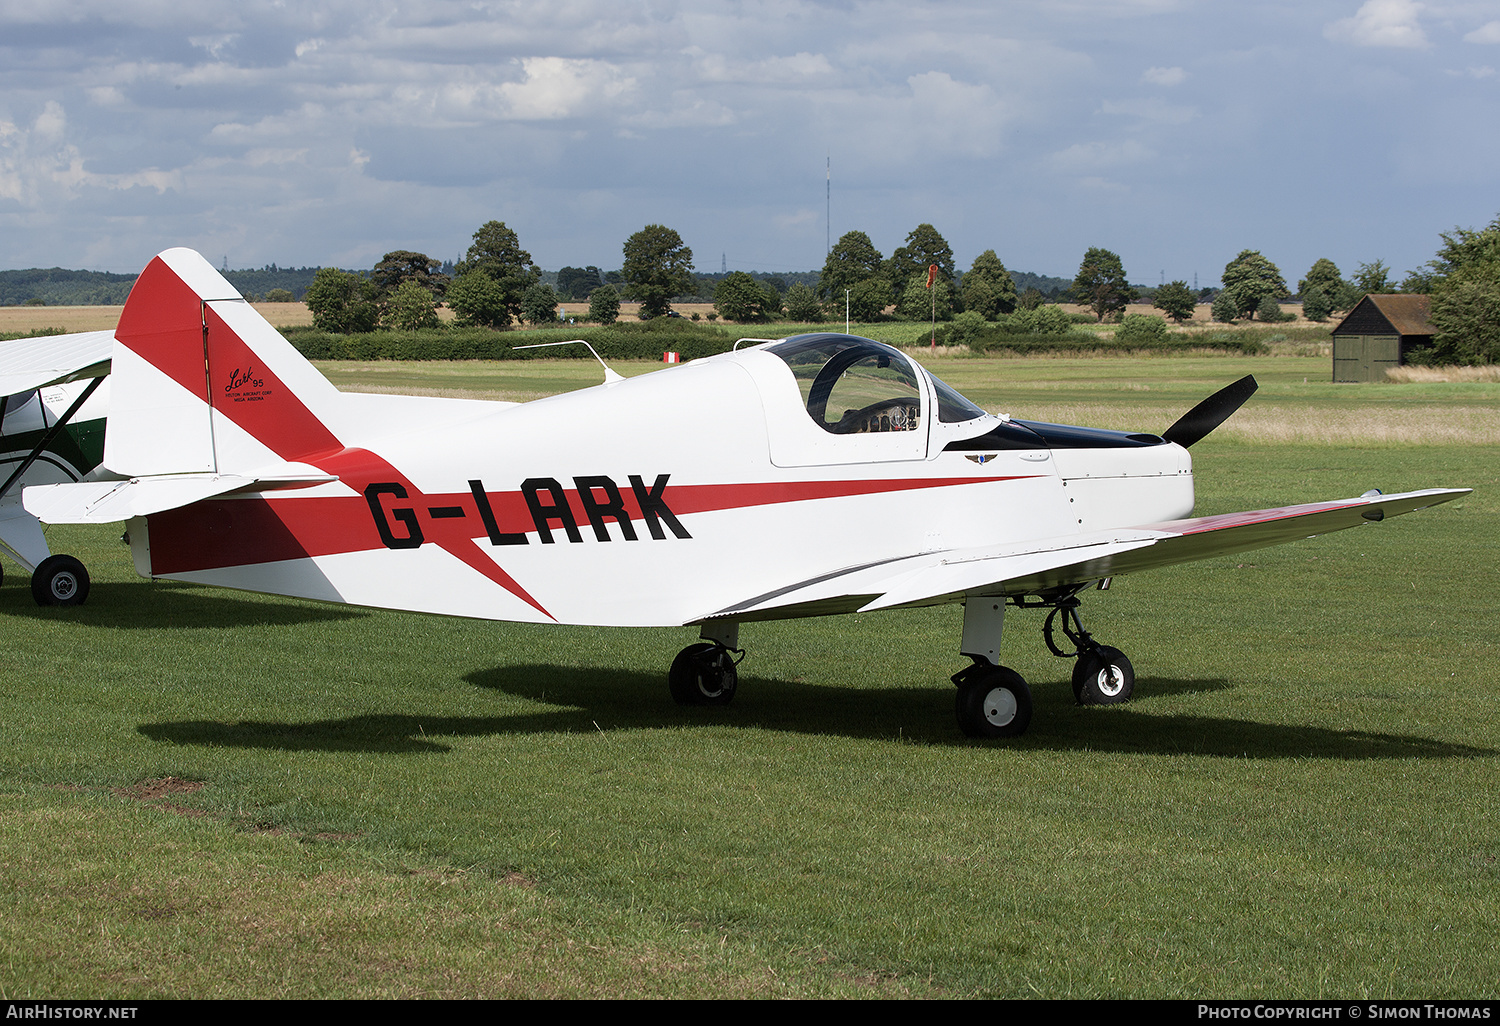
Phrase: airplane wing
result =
(30, 363)
(1036, 567)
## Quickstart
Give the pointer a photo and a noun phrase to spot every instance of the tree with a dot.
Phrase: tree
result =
(918, 302)
(1047, 319)
(853, 259)
(410, 307)
(403, 265)
(1100, 283)
(604, 305)
(497, 253)
(1270, 311)
(342, 302)
(739, 297)
(1141, 330)
(988, 287)
(539, 304)
(658, 266)
(1316, 305)
(1225, 307)
(802, 304)
(1372, 279)
(280, 296)
(772, 306)
(925, 246)
(1323, 277)
(1466, 314)
(478, 299)
(1464, 280)
(1249, 278)
(578, 282)
(1176, 300)
(869, 298)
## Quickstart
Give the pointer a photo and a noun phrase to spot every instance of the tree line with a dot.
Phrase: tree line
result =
(497, 284)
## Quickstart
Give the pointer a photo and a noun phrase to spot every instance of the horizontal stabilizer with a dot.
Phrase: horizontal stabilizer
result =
(31, 363)
(108, 502)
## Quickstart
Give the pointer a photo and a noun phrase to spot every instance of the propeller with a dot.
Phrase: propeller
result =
(1211, 412)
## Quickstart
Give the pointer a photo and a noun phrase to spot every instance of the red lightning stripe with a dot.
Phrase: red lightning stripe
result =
(235, 532)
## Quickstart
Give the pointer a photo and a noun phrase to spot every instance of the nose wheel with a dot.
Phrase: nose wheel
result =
(1102, 675)
(703, 674)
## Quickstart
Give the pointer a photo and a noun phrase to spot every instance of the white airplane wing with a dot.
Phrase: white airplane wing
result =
(1036, 567)
(31, 363)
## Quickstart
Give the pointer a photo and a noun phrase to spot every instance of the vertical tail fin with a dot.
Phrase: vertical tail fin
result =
(203, 384)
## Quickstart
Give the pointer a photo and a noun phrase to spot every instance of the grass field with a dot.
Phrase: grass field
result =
(210, 794)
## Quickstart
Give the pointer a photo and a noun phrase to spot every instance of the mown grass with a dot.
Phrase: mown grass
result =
(1300, 803)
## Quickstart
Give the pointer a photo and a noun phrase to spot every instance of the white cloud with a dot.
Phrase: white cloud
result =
(1489, 32)
(1392, 23)
(559, 87)
(39, 168)
(1164, 76)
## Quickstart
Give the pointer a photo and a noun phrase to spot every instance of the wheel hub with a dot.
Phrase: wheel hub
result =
(1111, 681)
(999, 707)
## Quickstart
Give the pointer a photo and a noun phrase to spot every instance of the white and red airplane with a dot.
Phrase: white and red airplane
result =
(818, 474)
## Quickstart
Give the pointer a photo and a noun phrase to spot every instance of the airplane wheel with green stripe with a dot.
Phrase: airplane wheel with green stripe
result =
(60, 581)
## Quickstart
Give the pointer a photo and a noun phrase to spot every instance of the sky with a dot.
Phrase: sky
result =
(328, 132)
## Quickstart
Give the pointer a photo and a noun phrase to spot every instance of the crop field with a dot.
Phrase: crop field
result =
(213, 794)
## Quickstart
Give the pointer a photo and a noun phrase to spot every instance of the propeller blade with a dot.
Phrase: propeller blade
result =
(1211, 412)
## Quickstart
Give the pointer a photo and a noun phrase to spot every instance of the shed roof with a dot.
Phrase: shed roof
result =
(1407, 314)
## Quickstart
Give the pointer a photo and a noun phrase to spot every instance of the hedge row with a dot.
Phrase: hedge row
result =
(997, 340)
(622, 342)
(648, 341)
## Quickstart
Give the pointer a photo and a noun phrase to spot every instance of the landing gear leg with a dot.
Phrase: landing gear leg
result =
(992, 700)
(705, 674)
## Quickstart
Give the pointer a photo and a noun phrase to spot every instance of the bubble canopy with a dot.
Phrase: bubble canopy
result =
(853, 385)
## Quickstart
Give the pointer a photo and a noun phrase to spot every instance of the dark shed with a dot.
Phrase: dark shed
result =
(1380, 333)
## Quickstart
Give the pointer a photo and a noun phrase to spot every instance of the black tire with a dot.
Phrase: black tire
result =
(60, 581)
(993, 702)
(1103, 676)
(703, 674)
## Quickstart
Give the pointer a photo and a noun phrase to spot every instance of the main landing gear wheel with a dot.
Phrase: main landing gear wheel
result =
(1103, 676)
(703, 674)
(60, 581)
(992, 701)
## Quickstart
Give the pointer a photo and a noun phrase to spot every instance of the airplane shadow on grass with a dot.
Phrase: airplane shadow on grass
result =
(591, 700)
(174, 605)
